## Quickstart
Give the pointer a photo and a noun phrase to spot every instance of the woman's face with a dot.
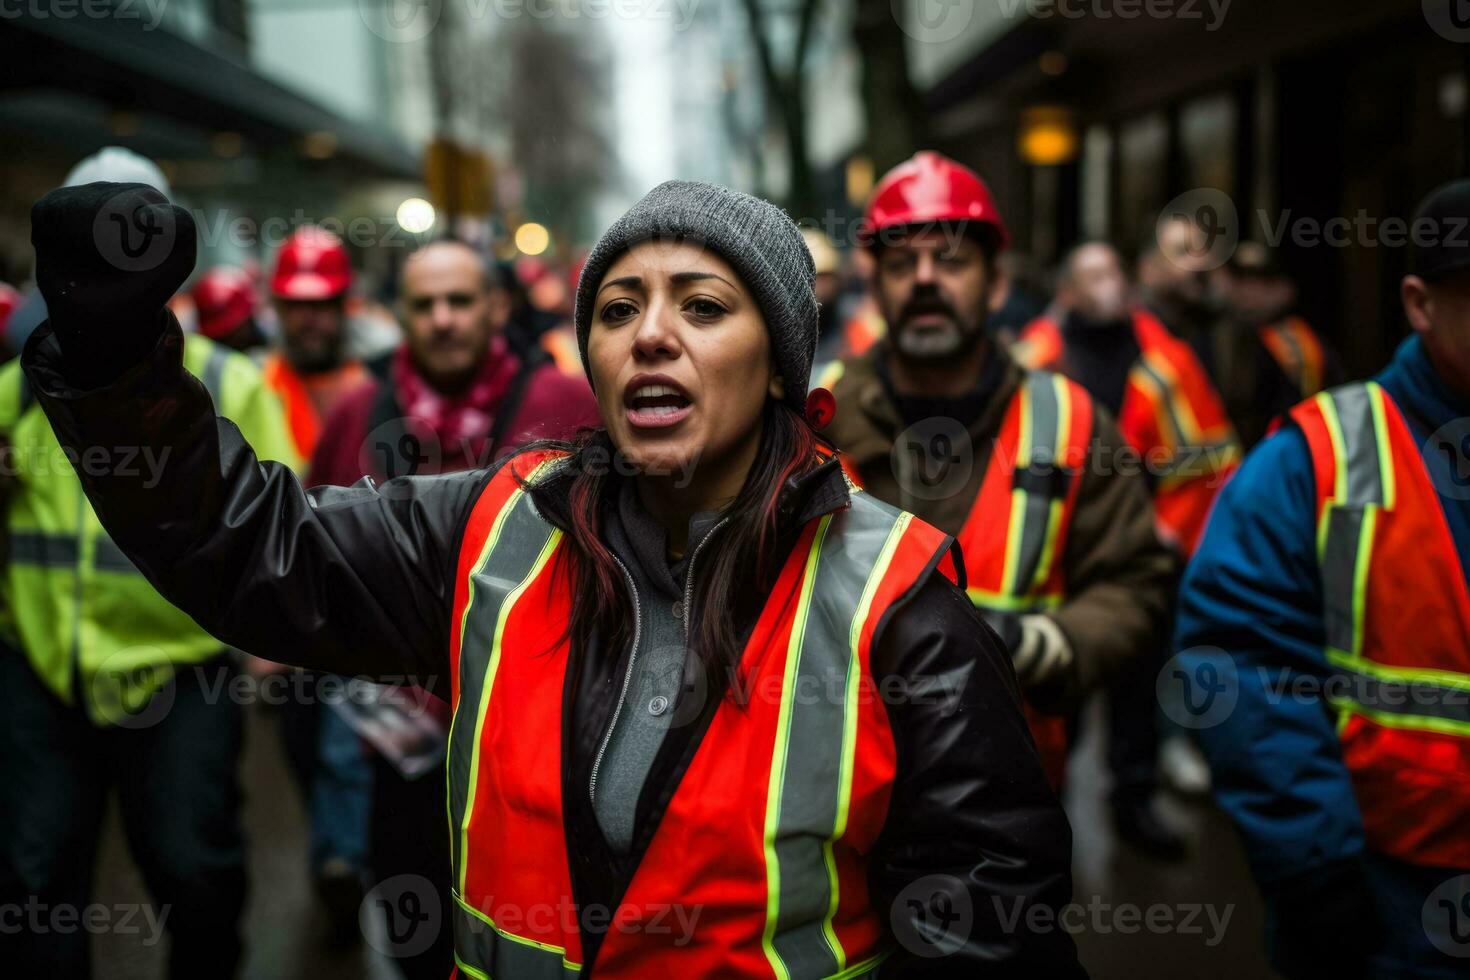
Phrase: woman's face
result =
(680, 360)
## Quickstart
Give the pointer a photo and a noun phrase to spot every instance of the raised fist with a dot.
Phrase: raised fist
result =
(108, 257)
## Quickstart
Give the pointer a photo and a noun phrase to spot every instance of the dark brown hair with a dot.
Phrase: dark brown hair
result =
(746, 550)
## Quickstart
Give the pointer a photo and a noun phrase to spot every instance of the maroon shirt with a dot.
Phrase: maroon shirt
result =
(553, 405)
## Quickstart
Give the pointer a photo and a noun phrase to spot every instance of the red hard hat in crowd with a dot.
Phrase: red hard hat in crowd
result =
(224, 298)
(931, 188)
(9, 300)
(311, 265)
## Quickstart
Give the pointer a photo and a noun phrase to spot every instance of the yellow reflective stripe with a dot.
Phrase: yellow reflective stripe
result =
(1385, 451)
(849, 731)
(831, 374)
(1004, 602)
(866, 966)
(468, 970)
(1049, 544)
(1360, 571)
(1014, 529)
(1426, 675)
(489, 546)
(1334, 434)
(524, 941)
(1018, 496)
(778, 761)
(1421, 723)
(488, 687)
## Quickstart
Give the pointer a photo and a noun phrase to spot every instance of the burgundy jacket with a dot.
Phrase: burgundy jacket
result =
(366, 435)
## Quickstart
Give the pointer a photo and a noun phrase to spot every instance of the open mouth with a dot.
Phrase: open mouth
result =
(656, 404)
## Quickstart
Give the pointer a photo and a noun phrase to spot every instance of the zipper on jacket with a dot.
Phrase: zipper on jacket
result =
(627, 679)
(633, 653)
(689, 573)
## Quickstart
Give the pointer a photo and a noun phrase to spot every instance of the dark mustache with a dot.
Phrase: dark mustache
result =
(926, 302)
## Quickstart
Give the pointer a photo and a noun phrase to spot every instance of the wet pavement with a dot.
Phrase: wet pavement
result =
(1135, 918)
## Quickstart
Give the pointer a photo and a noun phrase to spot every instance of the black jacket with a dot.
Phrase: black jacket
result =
(360, 581)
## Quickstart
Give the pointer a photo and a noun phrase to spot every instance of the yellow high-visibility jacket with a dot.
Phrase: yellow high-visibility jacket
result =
(92, 627)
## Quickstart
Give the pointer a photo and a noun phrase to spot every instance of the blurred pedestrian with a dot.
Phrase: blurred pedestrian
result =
(625, 626)
(105, 685)
(1175, 425)
(1262, 355)
(313, 370)
(457, 398)
(1059, 546)
(1330, 604)
(224, 302)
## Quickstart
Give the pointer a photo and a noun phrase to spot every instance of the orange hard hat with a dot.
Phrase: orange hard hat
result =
(224, 298)
(930, 188)
(312, 264)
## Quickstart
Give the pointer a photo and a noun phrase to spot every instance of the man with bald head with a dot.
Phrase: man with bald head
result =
(456, 397)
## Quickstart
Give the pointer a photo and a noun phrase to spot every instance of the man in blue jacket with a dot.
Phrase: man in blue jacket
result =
(1324, 630)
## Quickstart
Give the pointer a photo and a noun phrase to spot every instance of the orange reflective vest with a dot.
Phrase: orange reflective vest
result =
(561, 344)
(764, 840)
(864, 329)
(1171, 415)
(1016, 531)
(1397, 626)
(295, 392)
(1296, 348)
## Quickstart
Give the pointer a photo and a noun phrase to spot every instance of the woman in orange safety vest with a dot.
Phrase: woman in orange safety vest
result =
(715, 711)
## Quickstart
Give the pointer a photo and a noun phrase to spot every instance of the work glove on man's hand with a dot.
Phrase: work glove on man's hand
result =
(1041, 653)
(108, 258)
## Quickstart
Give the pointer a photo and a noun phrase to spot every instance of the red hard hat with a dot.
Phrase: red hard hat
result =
(9, 300)
(311, 265)
(224, 298)
(929, 189)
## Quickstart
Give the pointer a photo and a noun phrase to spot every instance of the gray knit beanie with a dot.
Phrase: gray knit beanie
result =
(758, 240)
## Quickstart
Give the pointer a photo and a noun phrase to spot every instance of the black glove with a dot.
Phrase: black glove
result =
(108, 258)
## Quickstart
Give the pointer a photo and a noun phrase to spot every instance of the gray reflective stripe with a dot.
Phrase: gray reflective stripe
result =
(1351, 415)
(483, 951)
(214, 373)
(1409, 699)
(61, 551)
(1166, 396)
(512, 550)
(811, 777)
(40, 548)
(110, 558)
(1339, 570)
(1354, 407)
(1038, 477)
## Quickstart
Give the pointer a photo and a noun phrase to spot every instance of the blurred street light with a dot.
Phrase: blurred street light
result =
(532, 238)
(415, 215)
